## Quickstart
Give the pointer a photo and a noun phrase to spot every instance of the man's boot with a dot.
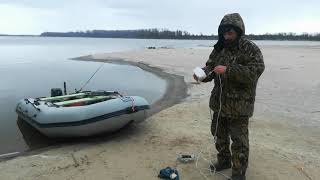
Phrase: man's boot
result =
(220, 165)
(238, 177)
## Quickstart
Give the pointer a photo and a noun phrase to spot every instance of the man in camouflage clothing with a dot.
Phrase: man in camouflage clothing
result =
(235, 64)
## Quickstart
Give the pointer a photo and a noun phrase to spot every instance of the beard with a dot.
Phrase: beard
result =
(229, 43)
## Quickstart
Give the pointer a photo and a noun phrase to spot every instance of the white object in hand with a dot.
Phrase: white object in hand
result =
(173, 175)
(201, 75)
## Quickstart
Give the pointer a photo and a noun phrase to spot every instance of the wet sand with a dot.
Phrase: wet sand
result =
(284, 136)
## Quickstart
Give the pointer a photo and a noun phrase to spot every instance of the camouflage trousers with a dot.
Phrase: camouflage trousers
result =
(237, 129)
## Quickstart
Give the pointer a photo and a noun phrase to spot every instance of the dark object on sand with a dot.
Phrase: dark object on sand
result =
(186, 158)
(169, 173)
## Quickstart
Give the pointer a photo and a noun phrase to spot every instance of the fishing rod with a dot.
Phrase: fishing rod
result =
(90, 78)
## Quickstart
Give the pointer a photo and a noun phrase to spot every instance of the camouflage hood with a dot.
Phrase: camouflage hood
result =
(235, 20)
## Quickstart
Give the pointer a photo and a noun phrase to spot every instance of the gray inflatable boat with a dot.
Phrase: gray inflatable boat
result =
(82, 114)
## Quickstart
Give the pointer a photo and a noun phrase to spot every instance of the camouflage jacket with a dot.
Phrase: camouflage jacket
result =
(244, 64)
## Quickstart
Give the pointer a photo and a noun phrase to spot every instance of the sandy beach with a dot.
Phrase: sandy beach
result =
(284, 131)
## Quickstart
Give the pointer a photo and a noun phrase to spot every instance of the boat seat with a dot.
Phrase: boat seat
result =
(57, 98)
(83, 100)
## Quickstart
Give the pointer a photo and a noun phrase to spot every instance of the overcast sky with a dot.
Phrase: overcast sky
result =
(195, 16)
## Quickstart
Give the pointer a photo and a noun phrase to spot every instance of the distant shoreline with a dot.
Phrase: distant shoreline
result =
(20, 35)
(255, 38)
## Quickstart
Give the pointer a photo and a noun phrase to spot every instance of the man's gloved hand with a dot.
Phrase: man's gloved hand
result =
(220, 69)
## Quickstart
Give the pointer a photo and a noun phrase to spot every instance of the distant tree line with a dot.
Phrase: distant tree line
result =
(139, 34)
(286, 36)
(167, 34)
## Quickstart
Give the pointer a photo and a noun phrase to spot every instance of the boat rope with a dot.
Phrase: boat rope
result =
(9, 154)
(200, 153)
(91, 77)
(132, 104)
(218, 116)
